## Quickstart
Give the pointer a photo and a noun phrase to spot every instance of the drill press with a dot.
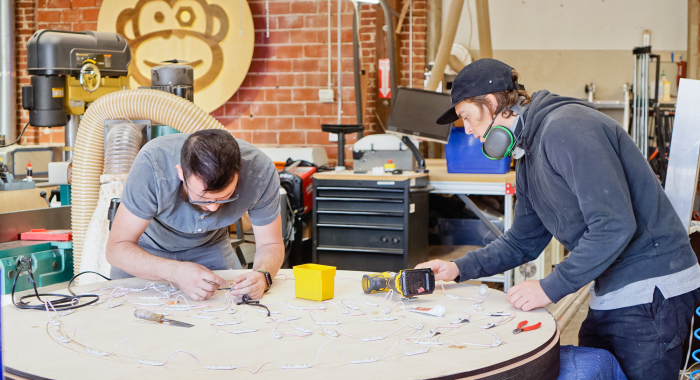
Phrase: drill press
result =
(69, 71)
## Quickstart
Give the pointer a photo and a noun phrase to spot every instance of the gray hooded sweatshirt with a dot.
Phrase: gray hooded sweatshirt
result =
(584, 181)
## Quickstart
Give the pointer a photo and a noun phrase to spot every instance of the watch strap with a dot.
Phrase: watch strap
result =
(268, 278)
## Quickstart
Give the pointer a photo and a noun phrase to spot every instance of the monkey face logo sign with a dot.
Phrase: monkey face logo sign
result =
(215, 37)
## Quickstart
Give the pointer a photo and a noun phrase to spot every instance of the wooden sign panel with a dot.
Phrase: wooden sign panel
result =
(215, 37)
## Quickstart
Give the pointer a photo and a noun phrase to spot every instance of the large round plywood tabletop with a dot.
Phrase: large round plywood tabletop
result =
(352, 336)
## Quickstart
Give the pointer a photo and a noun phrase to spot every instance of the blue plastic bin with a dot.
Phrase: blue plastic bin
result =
(463, 154)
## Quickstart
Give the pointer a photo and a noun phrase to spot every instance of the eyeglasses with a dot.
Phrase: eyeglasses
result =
(233, 197)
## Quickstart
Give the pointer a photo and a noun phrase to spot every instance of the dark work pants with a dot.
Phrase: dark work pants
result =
(646, 339)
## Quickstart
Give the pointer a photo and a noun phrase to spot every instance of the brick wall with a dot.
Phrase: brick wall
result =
(277, 103)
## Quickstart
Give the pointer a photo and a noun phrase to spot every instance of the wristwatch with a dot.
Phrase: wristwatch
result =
(268, 278)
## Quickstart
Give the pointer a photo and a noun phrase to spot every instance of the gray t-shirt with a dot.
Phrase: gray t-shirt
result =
(153, 192)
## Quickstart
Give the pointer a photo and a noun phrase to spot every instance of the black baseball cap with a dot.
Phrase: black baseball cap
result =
(481, 77)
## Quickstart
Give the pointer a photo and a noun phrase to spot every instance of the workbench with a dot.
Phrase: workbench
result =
(109, 343)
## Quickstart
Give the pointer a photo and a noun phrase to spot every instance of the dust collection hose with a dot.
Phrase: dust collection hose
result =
(88, 160)
(122, 146)
(448, 37)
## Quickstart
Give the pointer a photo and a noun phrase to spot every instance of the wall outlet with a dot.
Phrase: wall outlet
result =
(326, 95)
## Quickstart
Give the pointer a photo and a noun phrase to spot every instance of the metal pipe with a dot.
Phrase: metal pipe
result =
(410, 45)
(340, 66)
(8, 78)
(645, 107)
(356, 68)
(70, 132)
(389, 30)
(635, 108)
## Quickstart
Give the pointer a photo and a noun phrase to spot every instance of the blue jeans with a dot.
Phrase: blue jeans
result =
(210, 256)
(646, 339)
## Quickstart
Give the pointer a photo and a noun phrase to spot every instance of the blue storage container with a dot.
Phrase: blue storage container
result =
(463, 154)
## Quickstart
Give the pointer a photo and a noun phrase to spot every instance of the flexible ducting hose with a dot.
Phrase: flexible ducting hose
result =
(88, 161)
(123, 144)
(455, 64)
(448, 37)
(484, 24)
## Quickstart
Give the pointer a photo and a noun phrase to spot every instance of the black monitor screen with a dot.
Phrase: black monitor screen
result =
(414, 113)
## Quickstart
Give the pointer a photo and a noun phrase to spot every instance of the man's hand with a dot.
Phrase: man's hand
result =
(196, 281)
(443, 270)
(252, 283)
(528, 295)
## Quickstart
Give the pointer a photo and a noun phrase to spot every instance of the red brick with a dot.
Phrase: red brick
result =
(305, 7)
(316, 51)
(349, 109)
(292, 109)
(279, 66)
(274, 7)
(90, 14)
(278, 95)
(218, 112)
(260, 22)
(263, 109)
(259, 80)
(315, 21)
(229, 123)
(289, 22)
(55, 26)
(236, 109)
(264, 137)
(253, 123)
(48, 16)
(243, 135)
(314, 137)
(83, 3)
(79, 27)
(304, 37)
(308, 123)
(292, 138)
(246, 95)
(305, 94)
(280, 123)
(292, 51)
(55, 4)
(305, 65)
(289, 80)
(317, 79)
(70, 15)
(264, 51)
(320, 109)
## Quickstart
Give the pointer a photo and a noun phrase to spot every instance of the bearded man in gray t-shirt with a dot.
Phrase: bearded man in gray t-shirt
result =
(182, 194)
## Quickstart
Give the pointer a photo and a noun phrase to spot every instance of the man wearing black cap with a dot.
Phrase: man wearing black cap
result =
(581, 179)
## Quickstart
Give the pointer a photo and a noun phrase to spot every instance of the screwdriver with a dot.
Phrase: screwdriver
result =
(151, 316)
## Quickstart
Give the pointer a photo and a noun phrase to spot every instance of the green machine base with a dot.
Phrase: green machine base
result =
(52, 262)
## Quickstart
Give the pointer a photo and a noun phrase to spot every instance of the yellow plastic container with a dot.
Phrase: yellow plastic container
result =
(314, 282)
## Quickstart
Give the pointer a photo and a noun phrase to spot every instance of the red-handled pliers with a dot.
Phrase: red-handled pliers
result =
(523, 328)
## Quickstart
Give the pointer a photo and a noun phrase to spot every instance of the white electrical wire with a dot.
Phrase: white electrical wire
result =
(340, 71)
(330, 45)
(120, 291)
(410, 44)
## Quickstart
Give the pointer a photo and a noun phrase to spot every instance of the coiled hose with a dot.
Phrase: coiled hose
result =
(696, 333)
(88, 160)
